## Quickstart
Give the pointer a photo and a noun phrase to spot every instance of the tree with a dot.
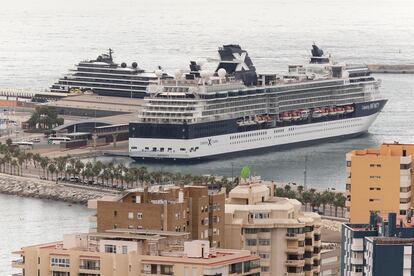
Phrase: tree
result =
(52, 169)
(44, 161)
(45, 117)
(339, 201)
(307, 197)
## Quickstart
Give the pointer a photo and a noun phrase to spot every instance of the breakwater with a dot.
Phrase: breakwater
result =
(36, 188)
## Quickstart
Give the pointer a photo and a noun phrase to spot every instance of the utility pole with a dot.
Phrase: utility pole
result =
(305, 173)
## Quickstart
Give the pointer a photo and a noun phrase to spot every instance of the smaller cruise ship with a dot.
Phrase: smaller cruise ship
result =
(105, 77)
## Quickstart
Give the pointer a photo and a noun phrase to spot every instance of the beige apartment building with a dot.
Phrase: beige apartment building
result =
(192, 209)
(379, 180)
(131, 252)
(287, 240)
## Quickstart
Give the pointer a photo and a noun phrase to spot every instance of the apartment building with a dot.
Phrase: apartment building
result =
(287, 240)
(133, 253)
(379, 180)
(382, 247)
(192, 209)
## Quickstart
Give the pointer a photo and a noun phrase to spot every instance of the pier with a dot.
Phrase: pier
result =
(392, 68)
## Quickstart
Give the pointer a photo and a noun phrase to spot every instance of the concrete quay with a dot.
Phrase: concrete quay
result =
(43, 189)
(392, 68)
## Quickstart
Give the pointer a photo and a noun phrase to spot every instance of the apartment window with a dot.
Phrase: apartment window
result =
(405, 166)
(236, 268)
(348, 163)
(139, 215)
(90, 264)
(115, 213)
(59, 262)
(250, 230)
(265, 269)
(251, 242)
(167, 269)
(264, 255)
(109, 248)
(403, 212)
(374, 200)
(264, 242)
(375, 189)
(130, 215)
(405, 189)
(124, 249)
(405, 200)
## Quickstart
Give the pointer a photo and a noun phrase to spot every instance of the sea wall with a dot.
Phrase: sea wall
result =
(36, 188)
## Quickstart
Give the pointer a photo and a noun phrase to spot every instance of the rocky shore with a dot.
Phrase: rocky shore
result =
(36, 188)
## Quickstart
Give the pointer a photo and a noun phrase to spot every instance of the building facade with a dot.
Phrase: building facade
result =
(380, 248)
(379, 180)
(287, 240)
(133, 253)
(192, 209)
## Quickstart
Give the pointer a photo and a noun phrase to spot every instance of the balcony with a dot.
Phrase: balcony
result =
(296, 250)
(357, 247)
(295, 262)
(19, 263)
(294, 236)
(406, 160)
(357, 261)
(295, 273)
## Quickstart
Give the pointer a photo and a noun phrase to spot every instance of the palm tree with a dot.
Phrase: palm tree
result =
(20, 159)
(79, 166)
(316, 200)
(52, 169)
(306, 198)
(44, 161)
(61, 165)
(339, 201)
(14, 164)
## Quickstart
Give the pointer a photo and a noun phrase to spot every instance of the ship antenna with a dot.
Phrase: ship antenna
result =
(110, 53)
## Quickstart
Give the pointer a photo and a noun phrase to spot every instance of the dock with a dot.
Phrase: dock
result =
(392, 68)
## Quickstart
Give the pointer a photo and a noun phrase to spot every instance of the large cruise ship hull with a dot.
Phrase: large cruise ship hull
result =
(258, 140)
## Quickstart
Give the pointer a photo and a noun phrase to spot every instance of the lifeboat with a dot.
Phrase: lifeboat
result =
(286, 116)
(349, 109)
(295, 116)
(317, 113)
(332, 112)
(260, 119)
(340, 110)
(324, 112)
(304, 114)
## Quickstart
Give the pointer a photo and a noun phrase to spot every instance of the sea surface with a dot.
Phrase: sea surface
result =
(41, 39)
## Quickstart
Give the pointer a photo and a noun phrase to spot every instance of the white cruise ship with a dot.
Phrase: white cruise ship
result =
(105, 77)
(203, 114)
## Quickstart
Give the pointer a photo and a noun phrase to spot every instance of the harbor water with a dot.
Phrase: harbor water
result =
(42, 39)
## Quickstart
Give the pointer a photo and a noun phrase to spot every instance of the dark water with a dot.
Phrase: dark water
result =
(41, 39)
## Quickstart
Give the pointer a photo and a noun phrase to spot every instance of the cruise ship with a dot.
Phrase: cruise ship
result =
(202, 114)
(103, 76)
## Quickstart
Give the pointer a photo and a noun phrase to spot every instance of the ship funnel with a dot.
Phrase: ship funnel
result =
(237, 62)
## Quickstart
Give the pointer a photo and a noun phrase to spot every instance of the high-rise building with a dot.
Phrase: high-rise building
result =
(379, 180)
(133, 252)
(287, 240)
(192, 209)
(382, 247)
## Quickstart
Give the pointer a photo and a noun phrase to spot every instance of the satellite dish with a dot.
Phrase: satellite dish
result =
(222, 73)
(158, 73)
(178, 74)
(203, 74)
